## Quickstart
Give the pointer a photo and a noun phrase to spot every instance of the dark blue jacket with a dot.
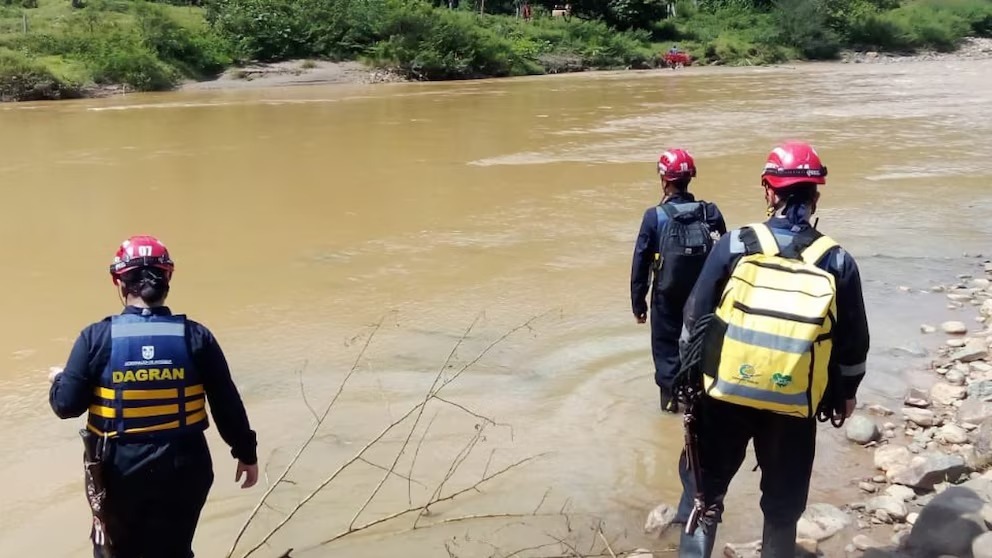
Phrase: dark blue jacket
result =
(72, 392)
(648, 242)
(851, 339)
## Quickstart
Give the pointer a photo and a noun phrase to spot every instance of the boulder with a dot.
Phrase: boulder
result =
(955, 377)
(954, 328)
(921, 417)
(917, 398)
(952, 434)
(948, 524)
(879, 410)
(894, 508)
(981, 547)
(980, 390)
(983, 444)
(986, 308)
(821, 521)
(927, 470)
(975, 411)
(946, 394)
(864, 542)
(659, 519)
(861, 429)
(899, 492)
(972, 351)
(892, 456)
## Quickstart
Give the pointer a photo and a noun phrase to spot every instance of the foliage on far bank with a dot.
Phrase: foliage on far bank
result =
(60, 48)
(142, 45)
(421, 39)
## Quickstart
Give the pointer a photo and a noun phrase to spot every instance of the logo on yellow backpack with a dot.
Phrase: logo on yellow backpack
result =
(769, 343)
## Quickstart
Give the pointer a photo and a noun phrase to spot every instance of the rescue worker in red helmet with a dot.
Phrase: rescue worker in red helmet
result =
(783, 341)
(671, 247)
(145, 376)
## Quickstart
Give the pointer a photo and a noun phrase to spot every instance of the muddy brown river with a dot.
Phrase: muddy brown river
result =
(300, 216)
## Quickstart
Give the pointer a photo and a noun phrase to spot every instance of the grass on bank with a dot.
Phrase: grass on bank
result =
(48, 49)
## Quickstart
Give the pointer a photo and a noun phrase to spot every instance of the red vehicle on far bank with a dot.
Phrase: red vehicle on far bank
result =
(676, 58)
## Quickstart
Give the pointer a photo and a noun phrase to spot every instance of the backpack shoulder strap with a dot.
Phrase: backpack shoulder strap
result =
(817, 249)
(758, 239)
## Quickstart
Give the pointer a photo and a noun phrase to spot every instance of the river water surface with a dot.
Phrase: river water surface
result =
(300, 216)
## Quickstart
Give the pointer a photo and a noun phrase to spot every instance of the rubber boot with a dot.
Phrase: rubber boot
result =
(669, 403)
(778, 541)
(698, 545)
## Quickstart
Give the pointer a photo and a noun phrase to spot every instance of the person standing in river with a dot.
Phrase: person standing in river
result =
(144, 376)
(776, 332)
(671, 247)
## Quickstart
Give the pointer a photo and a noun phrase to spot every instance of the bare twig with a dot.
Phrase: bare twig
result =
(607, 543)
(541, 503)
(489, 461)
(430, 393)
(475, 414)
(309, 439)
(413, 462)
(383, 468)
(303, 392)
(452, 496)
(459, 459)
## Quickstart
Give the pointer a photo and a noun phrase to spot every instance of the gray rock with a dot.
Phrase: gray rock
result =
(864, 542)
(959, 297)
(901, 493)
(894, 508)
(927, 329)
(641, 553)
(745, 550)
(867, 487)
(912, 517)
(952, 434)
(861, 429)
(954, 328)
(821, 521)
(881, 516)
(916, 397)
(986, 309)
(891, 456)
(925, 471)
(948, 524)
(946, 394)
(983, 444)
(879, 410)
(979, 367)
(659, 519)
(955, 343)
(981, 547)
(975, 411)
(980, 390)
(955, 377)
(879, 479)
(972, 351)
(922, 417)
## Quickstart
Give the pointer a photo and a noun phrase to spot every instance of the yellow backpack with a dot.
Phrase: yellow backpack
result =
(768, 345)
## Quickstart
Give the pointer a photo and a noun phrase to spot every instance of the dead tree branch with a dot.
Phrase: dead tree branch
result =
(313, 433)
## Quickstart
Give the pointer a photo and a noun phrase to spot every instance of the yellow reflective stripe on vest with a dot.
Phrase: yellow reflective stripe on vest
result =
(148, 394)
(766, 239)
(194, 390)
(154, 411)
(197, 417)
(195, 404)
(814, 252)
(101, 411)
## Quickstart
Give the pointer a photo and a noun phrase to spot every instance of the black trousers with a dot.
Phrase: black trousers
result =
(784, 446)
(155, 493)
(666, 327)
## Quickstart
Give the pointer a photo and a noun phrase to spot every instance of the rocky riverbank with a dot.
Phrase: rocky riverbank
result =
(930, 494)
(972, 48)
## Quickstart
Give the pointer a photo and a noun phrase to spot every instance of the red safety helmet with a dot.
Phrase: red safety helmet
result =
(141, 251)
(676, 164)
(793, 162)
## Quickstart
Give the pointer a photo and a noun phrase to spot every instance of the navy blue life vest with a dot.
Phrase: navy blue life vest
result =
(150, 388)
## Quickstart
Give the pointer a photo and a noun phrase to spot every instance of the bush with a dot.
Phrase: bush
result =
(802, 24)
(22, 79)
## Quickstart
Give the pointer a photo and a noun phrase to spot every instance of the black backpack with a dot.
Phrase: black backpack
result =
(685, 243)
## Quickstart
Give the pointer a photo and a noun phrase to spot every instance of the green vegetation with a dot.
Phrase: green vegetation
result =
(63, 48)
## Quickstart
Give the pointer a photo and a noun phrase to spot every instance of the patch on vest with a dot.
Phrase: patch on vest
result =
(148, 375)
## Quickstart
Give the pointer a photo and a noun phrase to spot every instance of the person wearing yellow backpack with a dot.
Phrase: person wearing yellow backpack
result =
(775, 337)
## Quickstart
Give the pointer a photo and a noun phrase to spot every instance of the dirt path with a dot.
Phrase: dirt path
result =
(295, 72)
